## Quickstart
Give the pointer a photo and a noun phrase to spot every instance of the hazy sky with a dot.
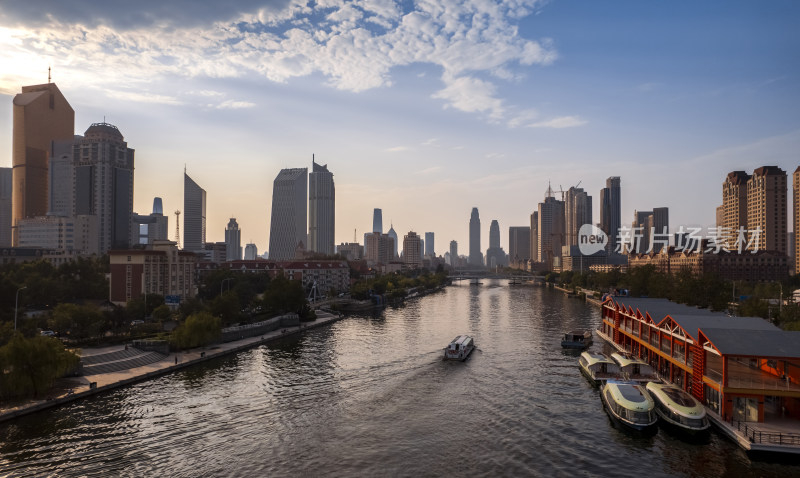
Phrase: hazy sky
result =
(422, 108)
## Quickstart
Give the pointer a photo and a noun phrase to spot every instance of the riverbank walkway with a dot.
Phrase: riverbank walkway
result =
(117, 366)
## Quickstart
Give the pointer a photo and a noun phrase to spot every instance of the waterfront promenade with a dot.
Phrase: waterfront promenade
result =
(76, 388)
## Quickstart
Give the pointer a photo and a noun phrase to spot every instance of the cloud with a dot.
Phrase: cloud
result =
(354, 44)
(430, 142)
(143, 97)
(560, 122)
(396, 149)
(234, 105)
(430, 170)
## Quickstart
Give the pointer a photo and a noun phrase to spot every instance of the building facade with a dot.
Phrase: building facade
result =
(233, 241)
(519, 244)
(453, 254)
(550, 229)
(351, 251)
(534, 236)
(766, 208)
(41, 115)
(377, 220)
(288, 219)
(379, 248)
(577, 212)
(77, 234)
(321, 210)
(6, 176)
(159, 269)
(734, 202)
(250, 252)
(194, 215)
(796, 218)
(430, 250)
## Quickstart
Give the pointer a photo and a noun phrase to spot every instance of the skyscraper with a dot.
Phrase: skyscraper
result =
(429, 249)
(379, 248)
(233, 241)
(660, 228)
(611, 211)
(640, 236)
(288, 221)
(321, 210)
(377, 220)
(194, 215)
(6, 175)
(535, 236)
(475, 256)
(41, 115)
(412, 249)
(393, 235)
(453, 254)
(550, 229)
(734, 203)
(103, 167)
(796, 218)
(519, 244)
(766, 208)
(495, 255)
(158, 230)
(577, 212)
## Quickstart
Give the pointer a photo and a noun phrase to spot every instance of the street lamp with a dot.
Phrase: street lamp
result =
(16, 306)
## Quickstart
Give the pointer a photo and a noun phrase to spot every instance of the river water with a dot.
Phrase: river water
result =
(370, 396)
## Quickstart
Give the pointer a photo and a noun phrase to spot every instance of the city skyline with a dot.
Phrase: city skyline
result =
(425, 133)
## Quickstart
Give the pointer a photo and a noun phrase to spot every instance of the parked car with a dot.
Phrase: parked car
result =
(47, 333)
(136, 322)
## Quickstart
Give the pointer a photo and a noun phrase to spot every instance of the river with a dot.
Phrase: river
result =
(370, 396)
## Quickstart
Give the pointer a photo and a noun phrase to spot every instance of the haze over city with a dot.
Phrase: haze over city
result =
(424, 110)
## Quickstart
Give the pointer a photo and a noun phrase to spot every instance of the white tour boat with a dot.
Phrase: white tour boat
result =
(459, 348)
(634, 368)
(629, 404)
(679, 409)
(597, 367)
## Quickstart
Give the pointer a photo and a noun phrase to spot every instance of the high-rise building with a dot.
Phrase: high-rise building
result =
(194, 215)
(233, 241)
(519, 244)
(61, 174)
(154, 227)
(495, 255)
(288, 222)
(41, 115)
(429, 249)
(77, 234)
(379, 248)
(351, 251)
(660, 228)
(535, 236)
(577, 212)
(250, 252)
(103, 167)
(412, 249)
(720, 216)
(734, 203)
(475, 256)
(453, 254)
(611, 211)
(796, 218)
(377, 220)
(393, 235)
(6, 175)
(321, 210)
(766, 208)
(640, 236)
(551, 228)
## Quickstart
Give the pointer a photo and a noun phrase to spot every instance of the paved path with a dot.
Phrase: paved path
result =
(79, 387)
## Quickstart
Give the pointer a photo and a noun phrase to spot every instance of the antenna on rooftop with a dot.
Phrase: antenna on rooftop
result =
(178, 228)
(48, 73)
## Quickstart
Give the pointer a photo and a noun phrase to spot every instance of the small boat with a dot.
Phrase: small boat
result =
(629, 404)
(634, 368)
(577, 339)
(597, 367)
(679, 409)
(459, 348)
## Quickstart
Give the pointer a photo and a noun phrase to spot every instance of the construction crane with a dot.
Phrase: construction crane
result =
(178, 228)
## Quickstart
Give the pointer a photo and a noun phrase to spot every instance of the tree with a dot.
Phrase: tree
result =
(199, 329)
(32, 365)
(79, 321)
(162, 313)
(226, 306)
(283, 296)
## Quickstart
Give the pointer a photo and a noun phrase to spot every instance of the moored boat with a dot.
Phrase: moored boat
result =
(597, 367)
(629, 404)
(577, 339)
(459, 348)
(678, 409)
(633, 368)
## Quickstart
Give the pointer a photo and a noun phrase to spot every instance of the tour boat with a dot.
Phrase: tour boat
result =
(629, 404)
(633, 368)
(459, 348)
(577, 339)
(597, 367)
(679, 409)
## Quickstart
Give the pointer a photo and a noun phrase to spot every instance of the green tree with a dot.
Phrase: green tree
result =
(32, 364)
(162, 313)
(226, 306)
(79, 321)
(199, 329)
(283, 296)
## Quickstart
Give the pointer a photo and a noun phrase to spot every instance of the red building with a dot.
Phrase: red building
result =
(160, 269)
(742, 368)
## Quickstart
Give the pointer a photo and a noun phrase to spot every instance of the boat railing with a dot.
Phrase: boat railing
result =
(762, 437)
(763, 383)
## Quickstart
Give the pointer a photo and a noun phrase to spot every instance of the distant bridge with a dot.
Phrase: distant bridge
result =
(474, 274)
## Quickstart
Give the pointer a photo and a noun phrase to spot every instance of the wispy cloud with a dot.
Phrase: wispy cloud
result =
(430, 142)
(234, 105)
(560, 122)
(430, 170)
(397, 149)
(143, 97)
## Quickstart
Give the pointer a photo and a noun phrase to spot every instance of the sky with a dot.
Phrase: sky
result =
(424, 109)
